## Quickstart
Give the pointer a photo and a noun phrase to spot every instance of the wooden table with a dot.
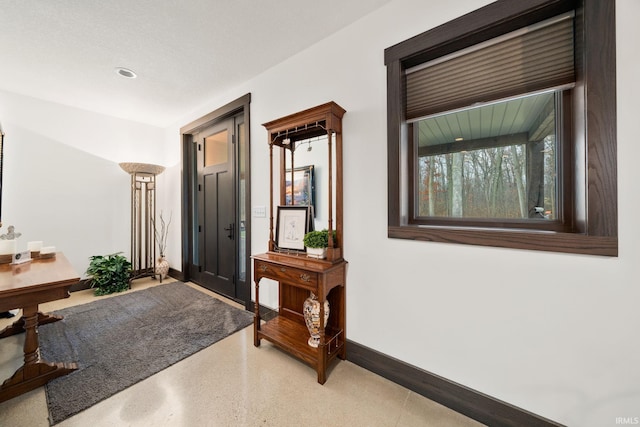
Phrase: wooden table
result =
(297, 276)
(25, 286)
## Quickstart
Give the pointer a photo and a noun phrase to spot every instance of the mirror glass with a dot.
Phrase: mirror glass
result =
(313, 152)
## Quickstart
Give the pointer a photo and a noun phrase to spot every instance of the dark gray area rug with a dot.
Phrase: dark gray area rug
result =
(122, 340)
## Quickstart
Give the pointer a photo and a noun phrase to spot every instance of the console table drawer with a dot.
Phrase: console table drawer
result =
(289, 275)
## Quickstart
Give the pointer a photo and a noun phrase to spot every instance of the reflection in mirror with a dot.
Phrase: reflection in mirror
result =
(314, 152)
(300, 189)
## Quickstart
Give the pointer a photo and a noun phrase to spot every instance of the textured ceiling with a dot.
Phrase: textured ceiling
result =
(184, 52)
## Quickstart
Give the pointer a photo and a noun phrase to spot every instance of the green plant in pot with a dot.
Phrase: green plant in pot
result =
(317, 242)
(109, 273)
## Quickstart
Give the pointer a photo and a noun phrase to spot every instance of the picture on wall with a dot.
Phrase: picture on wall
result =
(291, 225)
(302, 192)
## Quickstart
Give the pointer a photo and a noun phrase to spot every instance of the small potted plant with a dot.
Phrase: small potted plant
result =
(109, 274)
(316, 243)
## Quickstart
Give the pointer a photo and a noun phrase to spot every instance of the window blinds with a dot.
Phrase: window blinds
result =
(531, 59)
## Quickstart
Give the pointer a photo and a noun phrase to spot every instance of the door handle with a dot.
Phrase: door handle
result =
(231, 230)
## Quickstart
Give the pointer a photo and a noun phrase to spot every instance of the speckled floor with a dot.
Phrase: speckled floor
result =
(233, 383)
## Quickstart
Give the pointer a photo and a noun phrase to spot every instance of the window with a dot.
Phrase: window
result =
(497, 161)
(501, 129)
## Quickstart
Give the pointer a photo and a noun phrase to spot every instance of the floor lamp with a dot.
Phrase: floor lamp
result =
(143, 216)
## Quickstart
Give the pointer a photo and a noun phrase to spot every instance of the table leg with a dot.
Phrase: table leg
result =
(44, 318)
(17, 327)
(256, 315)
(35, 372)
(321, 368)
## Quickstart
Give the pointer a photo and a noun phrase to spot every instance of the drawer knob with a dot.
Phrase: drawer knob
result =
(283, 269)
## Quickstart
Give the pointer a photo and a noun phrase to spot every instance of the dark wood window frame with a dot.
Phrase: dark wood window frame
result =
(593, 136)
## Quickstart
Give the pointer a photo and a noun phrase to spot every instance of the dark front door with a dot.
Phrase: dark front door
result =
(216, 194)
(216, 208)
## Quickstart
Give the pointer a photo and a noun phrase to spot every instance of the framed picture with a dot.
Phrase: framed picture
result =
(291, 225)
(302, 191)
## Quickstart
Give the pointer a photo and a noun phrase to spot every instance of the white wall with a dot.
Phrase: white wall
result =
(555, 334)
(62, 182)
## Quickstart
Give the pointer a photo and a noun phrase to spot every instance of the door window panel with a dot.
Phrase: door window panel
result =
(215, 149)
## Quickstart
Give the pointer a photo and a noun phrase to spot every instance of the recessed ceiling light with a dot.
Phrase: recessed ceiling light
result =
(458, 139)
(125, 72)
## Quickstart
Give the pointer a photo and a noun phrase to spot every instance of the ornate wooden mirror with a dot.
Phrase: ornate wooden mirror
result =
(318, 125)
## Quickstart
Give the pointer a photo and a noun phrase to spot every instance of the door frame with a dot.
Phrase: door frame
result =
(238, 106)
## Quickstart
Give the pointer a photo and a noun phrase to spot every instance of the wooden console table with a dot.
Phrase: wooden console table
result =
(297, 277)
(25, 286)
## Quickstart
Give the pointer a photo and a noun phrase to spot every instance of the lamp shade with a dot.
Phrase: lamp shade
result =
(142, 168)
